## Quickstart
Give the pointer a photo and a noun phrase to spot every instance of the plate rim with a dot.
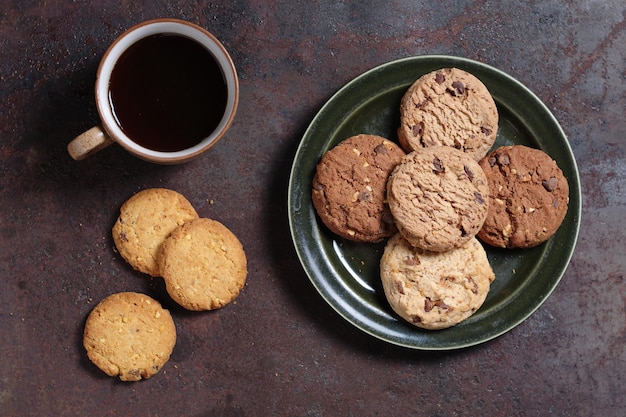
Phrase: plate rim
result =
(442, 61)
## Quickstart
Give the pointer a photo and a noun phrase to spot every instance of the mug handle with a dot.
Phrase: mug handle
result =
(88, 143)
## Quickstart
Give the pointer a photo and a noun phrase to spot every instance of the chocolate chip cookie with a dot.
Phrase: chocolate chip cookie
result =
(528, 197)
(448, 107)
(349, 188)
(435, 290)
(438, 198)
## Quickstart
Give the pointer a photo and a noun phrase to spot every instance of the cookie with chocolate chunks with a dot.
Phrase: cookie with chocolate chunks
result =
(528, 197)
(448, 107)
(437, 196)
(349, 191)
(435, 290)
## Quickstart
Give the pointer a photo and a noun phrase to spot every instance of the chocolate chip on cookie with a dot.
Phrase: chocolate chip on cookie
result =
(437, 196)
(435, 290)
(448, 107)
(528, 197)
(349, 191)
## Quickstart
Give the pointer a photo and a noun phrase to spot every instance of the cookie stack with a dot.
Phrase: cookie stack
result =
(203, 264)
(158, 232)
(435, 193)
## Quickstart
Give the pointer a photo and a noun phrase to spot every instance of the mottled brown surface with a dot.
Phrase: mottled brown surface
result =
(349, 188)
(528, 197)
(280, 350)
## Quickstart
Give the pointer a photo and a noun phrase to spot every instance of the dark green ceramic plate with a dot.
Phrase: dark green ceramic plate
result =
(346, 274)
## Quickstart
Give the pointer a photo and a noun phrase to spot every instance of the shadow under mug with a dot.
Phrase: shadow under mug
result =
(110, 130)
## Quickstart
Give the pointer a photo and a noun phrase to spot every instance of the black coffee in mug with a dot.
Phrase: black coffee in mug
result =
(167, 92)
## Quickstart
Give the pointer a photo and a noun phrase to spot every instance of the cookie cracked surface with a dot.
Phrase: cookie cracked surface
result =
(435, 290)
(528, 197)
(448, 107)
(349, 188)
(437, 196)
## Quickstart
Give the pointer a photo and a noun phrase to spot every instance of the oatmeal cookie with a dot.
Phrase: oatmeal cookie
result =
(145, 220)
(203, 264)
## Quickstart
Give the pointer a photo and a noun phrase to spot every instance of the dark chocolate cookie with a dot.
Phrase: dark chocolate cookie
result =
(528, 197)
(349, 188)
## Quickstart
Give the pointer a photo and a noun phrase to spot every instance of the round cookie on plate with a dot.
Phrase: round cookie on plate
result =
(448, 107)
(129, 335)
(438, 198)
(528, 197)
(349, 187)
(435, 290)
(145, 220)
(203, 264)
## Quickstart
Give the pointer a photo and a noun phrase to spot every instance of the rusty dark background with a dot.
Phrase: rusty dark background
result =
(280, 350)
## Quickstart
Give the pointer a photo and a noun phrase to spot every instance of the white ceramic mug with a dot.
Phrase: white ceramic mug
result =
(109, 131)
